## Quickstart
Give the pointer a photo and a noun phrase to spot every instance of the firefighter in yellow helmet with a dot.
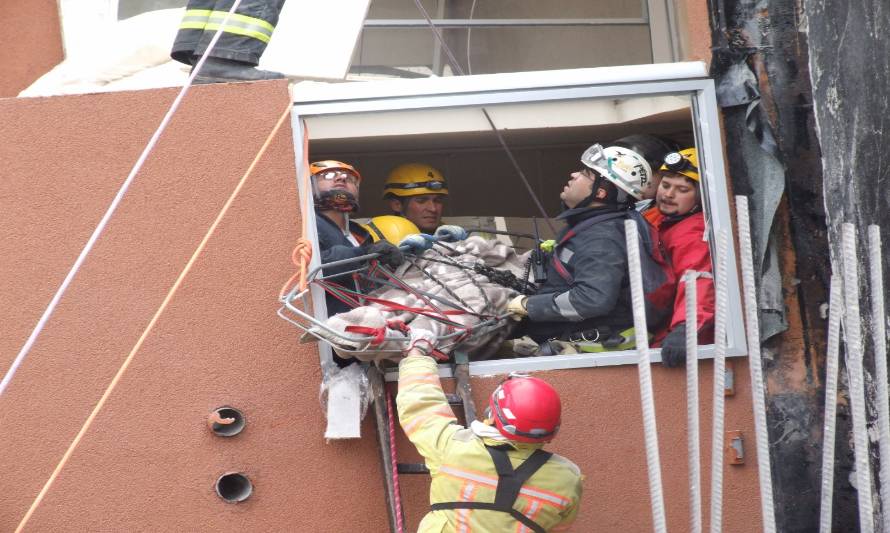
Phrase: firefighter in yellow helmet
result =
(390, 228)
(493, 475)
(417, 192)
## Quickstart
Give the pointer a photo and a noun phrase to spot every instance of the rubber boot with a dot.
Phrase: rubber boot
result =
(218, 70)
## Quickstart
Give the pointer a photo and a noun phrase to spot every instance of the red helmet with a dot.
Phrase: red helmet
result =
(526, 409)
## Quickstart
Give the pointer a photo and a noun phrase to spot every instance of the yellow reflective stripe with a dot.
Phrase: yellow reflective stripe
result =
(528, 491)
(229, 29)
(244, 19)
(410, 426)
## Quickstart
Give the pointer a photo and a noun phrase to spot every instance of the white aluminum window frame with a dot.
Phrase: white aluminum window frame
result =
(530, 87)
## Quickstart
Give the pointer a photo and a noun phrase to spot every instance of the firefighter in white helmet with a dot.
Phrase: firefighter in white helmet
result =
(586, 297)
(492, 476)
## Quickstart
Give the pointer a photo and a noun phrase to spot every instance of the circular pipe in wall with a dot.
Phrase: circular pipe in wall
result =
(226, 421)
(234, 487)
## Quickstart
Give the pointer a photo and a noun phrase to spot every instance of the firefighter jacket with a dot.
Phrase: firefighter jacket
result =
(684, 247)
(335, 246)
(462, 469)
(598, 291)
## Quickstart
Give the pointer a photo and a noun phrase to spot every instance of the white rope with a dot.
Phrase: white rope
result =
(719, 383)
(641, 334)
(879, 338)
(835, 310)
(692, 427)
(758, 396)
(47, 313)
(852, 330)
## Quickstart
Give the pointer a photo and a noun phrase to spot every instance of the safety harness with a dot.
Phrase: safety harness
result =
(510, 482)
(584, 224)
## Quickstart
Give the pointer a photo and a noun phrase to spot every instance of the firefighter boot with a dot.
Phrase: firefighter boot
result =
(218, 70)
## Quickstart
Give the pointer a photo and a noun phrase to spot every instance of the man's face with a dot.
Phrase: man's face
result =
(676, 194)
(578, 188)
(424, 210)
(339, 179)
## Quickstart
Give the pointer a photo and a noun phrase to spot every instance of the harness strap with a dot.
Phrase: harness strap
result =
(558, 265)
(510, 483)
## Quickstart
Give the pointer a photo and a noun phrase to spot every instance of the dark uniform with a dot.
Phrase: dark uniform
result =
(244, 37)
(587, 291)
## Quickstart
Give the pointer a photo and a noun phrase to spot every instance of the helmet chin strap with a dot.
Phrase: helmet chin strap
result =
(339, 200)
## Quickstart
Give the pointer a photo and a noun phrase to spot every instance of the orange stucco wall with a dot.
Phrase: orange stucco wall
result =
(31, 42)
(149, 463)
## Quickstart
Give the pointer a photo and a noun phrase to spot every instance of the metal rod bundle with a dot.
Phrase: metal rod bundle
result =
(692, 422)
(755, 366)
(852, 329)
(719, 382)
(835, 311)
(879, 339)
(643, 365)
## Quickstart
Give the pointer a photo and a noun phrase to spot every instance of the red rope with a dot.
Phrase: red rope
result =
(397, 497)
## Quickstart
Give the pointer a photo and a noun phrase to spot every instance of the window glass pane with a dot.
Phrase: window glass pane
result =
(129, 8)
(494, 49)
(509, 9)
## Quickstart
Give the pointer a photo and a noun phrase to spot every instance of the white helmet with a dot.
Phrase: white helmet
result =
(627, 169)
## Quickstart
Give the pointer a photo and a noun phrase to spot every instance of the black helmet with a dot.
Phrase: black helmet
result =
(652, 147)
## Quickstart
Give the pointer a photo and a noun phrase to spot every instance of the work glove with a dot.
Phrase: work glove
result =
(450, 233)
(390, 255)
(417, 242)
(517, 307)
(673, 347)
(421, 342)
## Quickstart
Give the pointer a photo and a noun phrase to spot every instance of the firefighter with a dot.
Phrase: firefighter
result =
(242, 42)
(653, 148)
(586, 296)
(335, 187)
(417, 192)
(680, 222)
(492, 476)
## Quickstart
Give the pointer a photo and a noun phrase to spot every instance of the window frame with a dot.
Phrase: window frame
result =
(688, 78)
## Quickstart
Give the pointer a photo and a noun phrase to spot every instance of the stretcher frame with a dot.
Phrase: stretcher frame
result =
(296, 302)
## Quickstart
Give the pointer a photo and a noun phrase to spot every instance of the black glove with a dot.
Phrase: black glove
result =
(673, 347)
(390, 255)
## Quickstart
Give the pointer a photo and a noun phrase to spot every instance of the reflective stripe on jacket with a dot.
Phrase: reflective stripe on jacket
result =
(462, 469)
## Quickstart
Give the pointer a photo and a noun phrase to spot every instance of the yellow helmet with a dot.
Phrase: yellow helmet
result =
(413, 179)
(684, 162)
(390, 227)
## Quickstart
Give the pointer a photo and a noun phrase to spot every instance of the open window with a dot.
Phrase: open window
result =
(547, 119)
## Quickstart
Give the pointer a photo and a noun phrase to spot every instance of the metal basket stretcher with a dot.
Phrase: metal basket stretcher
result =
(295, 304)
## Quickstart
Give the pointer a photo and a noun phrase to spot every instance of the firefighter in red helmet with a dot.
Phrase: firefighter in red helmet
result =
(515, 485)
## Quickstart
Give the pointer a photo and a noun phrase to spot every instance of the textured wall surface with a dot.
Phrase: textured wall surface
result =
(149, 463)
(31, 41)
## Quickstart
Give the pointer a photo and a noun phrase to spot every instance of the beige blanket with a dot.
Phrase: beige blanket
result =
(440, 273)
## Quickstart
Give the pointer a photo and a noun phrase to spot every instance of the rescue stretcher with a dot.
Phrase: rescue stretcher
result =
(360, 342)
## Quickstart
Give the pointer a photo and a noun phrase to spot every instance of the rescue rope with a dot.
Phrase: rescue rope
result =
(650, 430)
(853, 333)
(692, 402)
(879, 339)
(123, 368)
(758, 395)
(835, 310)
(97, 232)
(720, 278)
(460, 71)
(393, 459)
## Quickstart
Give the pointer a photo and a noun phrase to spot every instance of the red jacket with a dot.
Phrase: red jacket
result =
(684, 248)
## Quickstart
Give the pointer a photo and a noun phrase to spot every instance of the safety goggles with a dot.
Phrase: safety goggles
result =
(675, 162)
(431, 185)
(330, 175)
